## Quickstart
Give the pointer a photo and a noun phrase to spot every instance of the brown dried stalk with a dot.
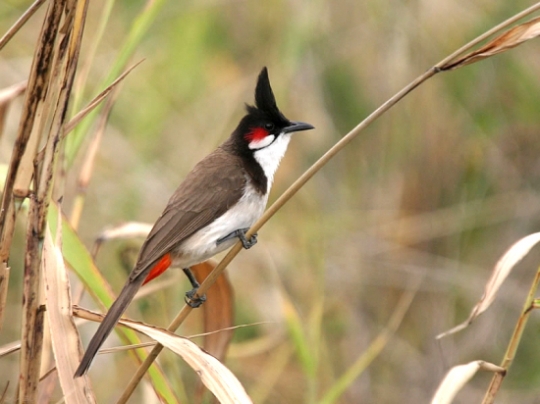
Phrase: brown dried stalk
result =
(58, 84)
(37, 89)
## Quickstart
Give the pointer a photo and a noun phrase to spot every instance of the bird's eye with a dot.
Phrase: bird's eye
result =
(269, 126)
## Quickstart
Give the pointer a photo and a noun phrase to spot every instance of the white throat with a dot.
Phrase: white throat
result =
(269, 157)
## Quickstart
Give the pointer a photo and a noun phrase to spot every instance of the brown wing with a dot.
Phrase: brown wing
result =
(214, 185)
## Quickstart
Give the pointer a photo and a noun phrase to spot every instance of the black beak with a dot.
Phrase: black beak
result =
(297, 127)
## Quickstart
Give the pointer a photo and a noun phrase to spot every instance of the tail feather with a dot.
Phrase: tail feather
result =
(113, 315)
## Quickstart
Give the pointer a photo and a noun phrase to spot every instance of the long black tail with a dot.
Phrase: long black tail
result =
(113, 315)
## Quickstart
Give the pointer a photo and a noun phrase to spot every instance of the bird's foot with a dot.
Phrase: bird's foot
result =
(192, 299)
(241, 234)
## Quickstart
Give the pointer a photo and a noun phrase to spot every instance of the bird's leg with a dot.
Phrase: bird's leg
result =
(191, 300)
(241, 234)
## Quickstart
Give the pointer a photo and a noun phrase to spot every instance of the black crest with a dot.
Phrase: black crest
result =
(264, 98)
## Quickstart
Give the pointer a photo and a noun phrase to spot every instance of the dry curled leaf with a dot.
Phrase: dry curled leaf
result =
(218, 310)
(125, 230)
(509, 39)
(501, 271)
(215, 376)
(218, 313)
(64, 335)
(122, 231)
(457, 377)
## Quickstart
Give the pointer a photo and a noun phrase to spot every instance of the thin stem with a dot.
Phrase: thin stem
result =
(489, 33)
(20, 22)
(375, 347)
(510, 353)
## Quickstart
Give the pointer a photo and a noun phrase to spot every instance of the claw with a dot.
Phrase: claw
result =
(241, 234)
(247, 244)
(192, 301)
(190, 298)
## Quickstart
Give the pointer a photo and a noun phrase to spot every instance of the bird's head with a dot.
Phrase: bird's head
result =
(264, 124)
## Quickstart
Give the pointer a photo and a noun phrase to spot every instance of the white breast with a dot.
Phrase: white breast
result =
(202, 245)
(270, 156)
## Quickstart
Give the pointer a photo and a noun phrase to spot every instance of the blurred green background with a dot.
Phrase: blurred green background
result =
(432, 194)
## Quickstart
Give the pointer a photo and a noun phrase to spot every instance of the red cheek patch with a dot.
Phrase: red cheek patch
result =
(256, 134)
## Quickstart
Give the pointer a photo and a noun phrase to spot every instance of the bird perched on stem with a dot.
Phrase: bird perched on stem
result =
(218, 201)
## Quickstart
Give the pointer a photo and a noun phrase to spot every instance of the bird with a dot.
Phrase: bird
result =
(215, 205)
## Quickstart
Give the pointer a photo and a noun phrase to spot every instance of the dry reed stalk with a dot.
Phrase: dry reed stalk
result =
(32, 323)
(50, 84)
(36, 92)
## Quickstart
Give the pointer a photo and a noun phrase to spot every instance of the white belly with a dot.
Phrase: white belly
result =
(202, 245)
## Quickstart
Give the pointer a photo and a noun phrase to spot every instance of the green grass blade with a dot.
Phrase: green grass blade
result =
(138, 30)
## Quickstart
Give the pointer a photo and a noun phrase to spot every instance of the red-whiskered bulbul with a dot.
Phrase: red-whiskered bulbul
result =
(217, 203)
